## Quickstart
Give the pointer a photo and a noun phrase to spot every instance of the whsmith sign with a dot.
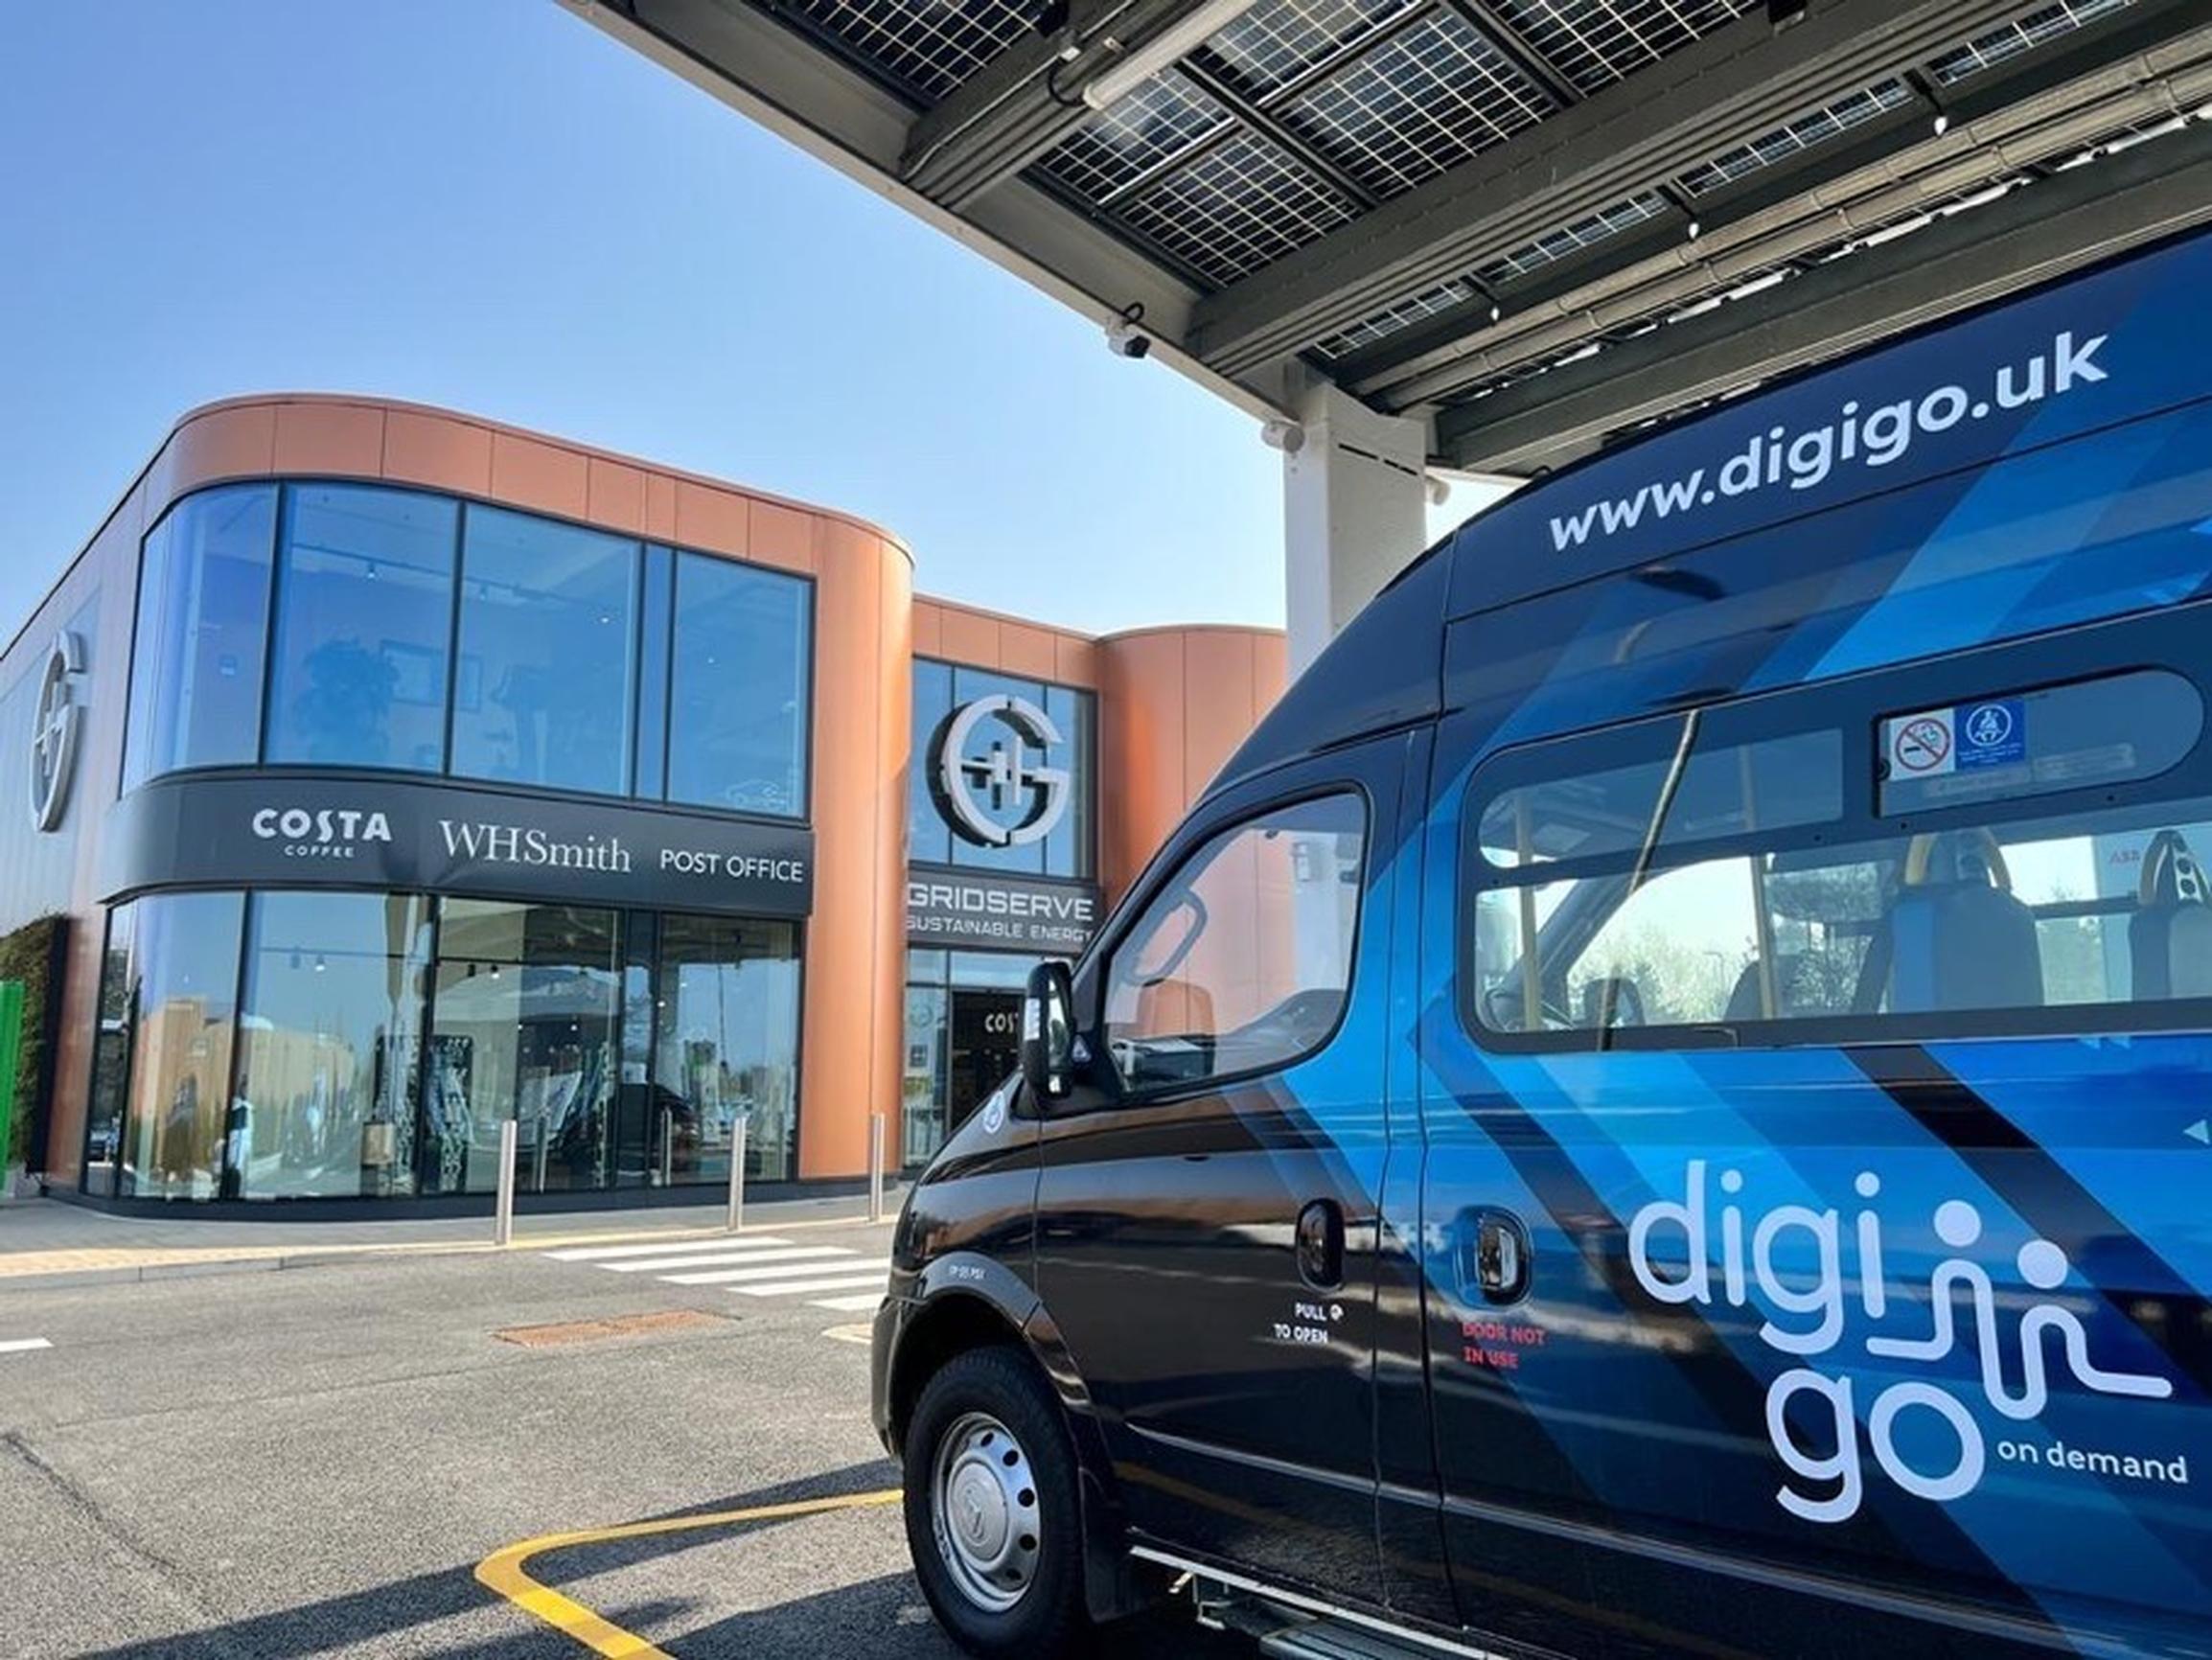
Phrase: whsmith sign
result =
(963, 908)
(293, 831)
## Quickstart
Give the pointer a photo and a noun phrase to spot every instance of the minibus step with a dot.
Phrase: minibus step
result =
(1326, 1640)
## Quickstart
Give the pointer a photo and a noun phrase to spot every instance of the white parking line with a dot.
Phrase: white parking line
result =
(23, 1345)
(806, 1287)
(666, 1248)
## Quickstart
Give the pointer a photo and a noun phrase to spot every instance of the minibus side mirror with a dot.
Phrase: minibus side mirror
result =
(1048, 1033)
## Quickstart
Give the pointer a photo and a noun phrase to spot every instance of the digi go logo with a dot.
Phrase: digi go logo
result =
(320, 832)
(1812, 1278)
(998, 798)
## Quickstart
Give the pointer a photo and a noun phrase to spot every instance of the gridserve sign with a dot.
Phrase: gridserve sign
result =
(998, 782)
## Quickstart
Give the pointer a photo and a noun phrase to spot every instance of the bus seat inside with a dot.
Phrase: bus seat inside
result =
(2169, 934)
(1958, 937)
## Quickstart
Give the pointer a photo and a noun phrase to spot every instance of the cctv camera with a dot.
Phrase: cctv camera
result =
(1124, 339)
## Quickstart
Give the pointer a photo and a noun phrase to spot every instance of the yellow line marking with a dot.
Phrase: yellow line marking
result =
(501, 1571)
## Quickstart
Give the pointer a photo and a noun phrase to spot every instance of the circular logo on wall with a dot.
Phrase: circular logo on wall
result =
(54, 732)
(988, 788)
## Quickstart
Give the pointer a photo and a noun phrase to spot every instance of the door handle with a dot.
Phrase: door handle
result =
(1495, 1258)
(1321, 1245)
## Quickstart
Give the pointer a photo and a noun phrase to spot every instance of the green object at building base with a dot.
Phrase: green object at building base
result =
(11, 1059)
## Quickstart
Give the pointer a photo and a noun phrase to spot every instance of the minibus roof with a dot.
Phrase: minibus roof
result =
(2091, 350)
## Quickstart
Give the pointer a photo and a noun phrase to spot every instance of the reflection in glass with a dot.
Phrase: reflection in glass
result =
(928, 839)
(110, 1059)
(725, 1044)
(332, 1039)
(181, 1002)
(922, 1074)
(364, 604)
(549, 632)
(528, 998)
(195, 661)
(737, 719)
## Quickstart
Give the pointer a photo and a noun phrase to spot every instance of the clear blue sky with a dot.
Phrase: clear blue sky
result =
(488, 204)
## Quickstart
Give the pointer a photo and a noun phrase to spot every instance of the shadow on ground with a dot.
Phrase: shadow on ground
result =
(885, 1613)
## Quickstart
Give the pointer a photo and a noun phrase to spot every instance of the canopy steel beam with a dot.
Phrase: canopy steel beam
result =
(1731, 87)
(2005, 121)
(1027, 99)
(2040, 231)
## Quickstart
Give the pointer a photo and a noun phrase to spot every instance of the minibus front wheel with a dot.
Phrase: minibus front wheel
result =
(991, 1508)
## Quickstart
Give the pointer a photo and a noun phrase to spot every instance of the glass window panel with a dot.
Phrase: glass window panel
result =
(991, 968)
(1728, 790)
(927, 964)
(922, 1074)
(726, 1045)
(548, 642)
(1242, 960)
(738, 715)
(184, 1004)
(653, 646)
(635, 1154)
(1069, 848)
(929, 842)
(364, 619)
(202, 632)
(331, 1044)
(110, 1058)
(523, 1027)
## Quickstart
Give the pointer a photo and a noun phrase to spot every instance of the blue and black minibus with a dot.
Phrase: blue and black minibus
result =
(1662, 1104)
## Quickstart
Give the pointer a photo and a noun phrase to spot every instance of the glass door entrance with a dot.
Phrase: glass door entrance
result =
(986, 1048)
(964, 1040)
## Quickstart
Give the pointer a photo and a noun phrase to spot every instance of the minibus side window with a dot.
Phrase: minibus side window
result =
(2096, 920)
(1242, 962)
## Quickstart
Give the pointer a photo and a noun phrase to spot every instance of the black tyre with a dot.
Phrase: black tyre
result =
(993, 1521)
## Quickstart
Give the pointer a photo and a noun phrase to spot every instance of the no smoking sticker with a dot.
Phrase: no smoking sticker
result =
(1920, 746)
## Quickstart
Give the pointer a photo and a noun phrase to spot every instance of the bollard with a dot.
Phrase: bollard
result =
(737, 1129)
(875, 1166)
(503, 1206)
(667, 1149)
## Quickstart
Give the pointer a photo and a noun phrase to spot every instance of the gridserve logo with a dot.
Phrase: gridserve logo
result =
(987, 786)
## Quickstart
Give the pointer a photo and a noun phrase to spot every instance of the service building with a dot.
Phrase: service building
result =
(389, 774)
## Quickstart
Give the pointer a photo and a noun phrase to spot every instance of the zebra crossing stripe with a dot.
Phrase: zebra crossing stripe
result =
(717, 1259)
(737, 1259)
(665, 1248)
(850, 1304)
(809, 1287)
(780, 1271)
(23, 1345)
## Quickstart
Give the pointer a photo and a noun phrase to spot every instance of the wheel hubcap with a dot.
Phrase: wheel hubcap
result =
(984, 1511)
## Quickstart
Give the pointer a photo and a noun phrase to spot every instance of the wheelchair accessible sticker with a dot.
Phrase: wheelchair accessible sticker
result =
(1965, 738)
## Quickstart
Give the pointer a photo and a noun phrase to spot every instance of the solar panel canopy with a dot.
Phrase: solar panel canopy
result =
(1535, 226)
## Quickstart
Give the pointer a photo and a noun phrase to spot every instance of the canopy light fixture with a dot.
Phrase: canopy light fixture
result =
(1134, 66)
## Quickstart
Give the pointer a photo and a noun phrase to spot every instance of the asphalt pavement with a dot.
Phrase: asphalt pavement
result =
(316, 1462)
